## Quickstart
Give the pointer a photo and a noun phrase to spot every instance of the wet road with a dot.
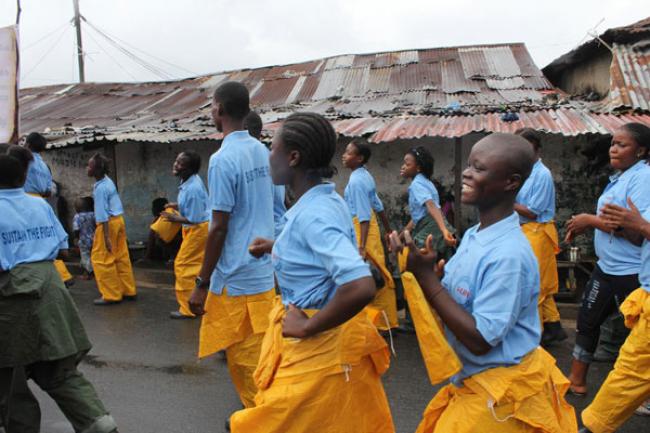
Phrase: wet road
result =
(145, 369)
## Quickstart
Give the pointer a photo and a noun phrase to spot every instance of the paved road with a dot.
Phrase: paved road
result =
(145, 369)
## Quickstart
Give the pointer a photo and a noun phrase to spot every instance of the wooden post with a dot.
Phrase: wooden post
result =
(80, 51)
(458, 184)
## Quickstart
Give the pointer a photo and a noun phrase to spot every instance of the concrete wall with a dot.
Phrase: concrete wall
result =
(579, 167)
(590, 75)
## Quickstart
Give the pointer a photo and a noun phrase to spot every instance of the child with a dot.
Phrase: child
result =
(83, 225)
(321, 362)
(365, 206)
(110, 253)
(241, 292)
(424, 202)
(41, 334)
(487, 301)
(628, 384)
(192, 207)
(535, 205)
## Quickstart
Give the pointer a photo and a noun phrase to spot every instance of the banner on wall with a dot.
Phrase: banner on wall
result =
(8, 84)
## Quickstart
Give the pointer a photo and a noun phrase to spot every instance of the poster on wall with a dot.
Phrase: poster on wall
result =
(8, 84)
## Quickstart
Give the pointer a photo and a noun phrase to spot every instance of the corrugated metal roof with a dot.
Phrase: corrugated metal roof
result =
(630, 76)
(426, 82)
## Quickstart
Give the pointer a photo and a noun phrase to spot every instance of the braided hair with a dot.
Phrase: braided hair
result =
(423, 159)
(314, 138)
(641, 135)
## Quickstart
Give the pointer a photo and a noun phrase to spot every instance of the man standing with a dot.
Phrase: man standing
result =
(240, 286)
(535, 205)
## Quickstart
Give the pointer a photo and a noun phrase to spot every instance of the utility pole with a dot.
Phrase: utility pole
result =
(80, 51)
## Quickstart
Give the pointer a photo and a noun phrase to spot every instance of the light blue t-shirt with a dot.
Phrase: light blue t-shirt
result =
(617, 256)
(538, 194)
(29, 230)
(39, 177)
(239, 183)
(494, 277)
(361, 195)
(107, 200)
(421, 191)
(317, 250)
(279, 208)
(644, 274)
(193, 200)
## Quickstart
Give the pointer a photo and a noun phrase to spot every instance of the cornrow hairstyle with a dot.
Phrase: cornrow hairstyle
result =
(423, 159)
(101, 162)
(314, 138)
(36, 142)
(22, 154)
(193, 160)
(253, 123)
(531, 136)
(234, 99)
(641, 135)
(362, 149)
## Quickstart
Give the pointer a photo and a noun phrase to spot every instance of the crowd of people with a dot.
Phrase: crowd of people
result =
(300, 298)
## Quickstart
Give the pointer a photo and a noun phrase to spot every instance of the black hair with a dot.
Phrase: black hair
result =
(84, 204)
(234, 99)
(253, 122)
(22, 154)
(193, 160)
(362, 149)
(101, 162)
(36, 142)
(531, 136)
(158, 205)
(314, 138)
(641, 135)
(11, 172)
(423, 159)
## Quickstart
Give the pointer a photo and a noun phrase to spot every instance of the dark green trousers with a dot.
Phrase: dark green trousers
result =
(72, 392)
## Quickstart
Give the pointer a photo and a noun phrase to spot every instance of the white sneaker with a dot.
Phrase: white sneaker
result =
(644, 409)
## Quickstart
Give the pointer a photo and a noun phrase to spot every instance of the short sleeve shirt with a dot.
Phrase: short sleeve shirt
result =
(193, 200)
(317, 252)
(107, 200)
(494, 276)
(84, 223)
(361, 195)
(644, 274)
(616, 255)
(421, 191)
(279, 208)
(538, 194)
(39, 177)
(239, 184)
(29, 230)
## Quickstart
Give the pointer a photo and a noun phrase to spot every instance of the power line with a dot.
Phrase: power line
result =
(142, 51)
(49, 50)
(150, 67)
(45, 37)
(110, 57)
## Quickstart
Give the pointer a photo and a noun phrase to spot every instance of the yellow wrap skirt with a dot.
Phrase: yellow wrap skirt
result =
(544, 241)
(237, 324)
(187, 264)
(523, 398)
(385, 300)
(330, 382)
(628, 384)
(440, 359)
(113, 272)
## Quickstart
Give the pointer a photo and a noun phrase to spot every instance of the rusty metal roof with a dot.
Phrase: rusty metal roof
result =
(629, 70)
(438, 81)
